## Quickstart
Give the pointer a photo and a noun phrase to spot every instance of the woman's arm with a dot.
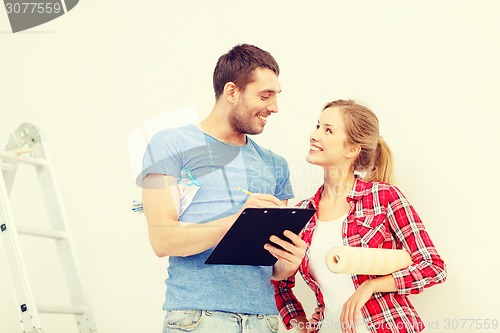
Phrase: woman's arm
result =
(428, 267)
(352, 307)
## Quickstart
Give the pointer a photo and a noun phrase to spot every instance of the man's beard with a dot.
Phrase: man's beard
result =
(241, 121)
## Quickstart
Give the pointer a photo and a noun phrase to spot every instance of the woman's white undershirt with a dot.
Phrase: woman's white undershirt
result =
(336, 288)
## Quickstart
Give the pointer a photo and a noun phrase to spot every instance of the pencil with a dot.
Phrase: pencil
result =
(239, 188)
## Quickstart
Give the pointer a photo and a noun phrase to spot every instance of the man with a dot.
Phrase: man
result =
(190, 200)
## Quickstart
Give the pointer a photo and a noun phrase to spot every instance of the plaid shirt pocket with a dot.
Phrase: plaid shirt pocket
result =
(372, 230)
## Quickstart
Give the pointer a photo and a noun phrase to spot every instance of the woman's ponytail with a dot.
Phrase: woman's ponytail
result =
(381, 169)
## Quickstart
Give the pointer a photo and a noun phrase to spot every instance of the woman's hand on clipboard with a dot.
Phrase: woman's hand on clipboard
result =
(289, 256)
(292, 251)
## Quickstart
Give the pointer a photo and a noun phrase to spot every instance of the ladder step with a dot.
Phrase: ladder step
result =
(12, 156)
(55, 234)
(70, 309)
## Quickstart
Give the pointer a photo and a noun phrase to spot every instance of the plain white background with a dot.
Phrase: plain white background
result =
(429, 69)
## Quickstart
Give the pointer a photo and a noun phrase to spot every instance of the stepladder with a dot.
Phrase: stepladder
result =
(27, 148)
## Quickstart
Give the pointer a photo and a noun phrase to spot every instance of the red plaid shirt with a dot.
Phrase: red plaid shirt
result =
(379, 217)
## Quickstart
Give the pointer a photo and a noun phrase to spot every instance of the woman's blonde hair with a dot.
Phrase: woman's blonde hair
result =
(362, 129)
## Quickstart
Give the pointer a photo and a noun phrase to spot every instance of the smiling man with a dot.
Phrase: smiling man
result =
(190, 200)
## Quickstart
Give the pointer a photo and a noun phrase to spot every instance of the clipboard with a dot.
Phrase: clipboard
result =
(243, 244)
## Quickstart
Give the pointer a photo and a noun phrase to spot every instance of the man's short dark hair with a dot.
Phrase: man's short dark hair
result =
(238, 64)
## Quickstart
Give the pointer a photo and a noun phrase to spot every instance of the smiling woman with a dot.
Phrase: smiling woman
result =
(364, 212)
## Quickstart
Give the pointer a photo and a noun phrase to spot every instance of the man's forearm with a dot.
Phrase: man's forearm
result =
(188, 239)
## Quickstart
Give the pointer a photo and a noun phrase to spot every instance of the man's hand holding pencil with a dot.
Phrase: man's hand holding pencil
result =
(260, 200)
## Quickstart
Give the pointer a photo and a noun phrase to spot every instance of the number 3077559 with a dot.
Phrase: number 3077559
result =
(33, 8)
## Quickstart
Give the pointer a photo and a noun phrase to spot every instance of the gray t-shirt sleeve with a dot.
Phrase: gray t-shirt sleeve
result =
(162, 155)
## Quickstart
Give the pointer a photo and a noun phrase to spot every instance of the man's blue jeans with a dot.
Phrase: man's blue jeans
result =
(201, 321)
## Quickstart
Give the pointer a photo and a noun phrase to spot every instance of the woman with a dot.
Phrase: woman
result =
(358, 211)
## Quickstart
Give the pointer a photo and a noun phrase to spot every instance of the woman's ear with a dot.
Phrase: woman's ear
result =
(353, 151)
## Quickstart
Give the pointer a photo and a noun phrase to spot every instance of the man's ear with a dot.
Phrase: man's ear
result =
(353, 151)
(230, 92)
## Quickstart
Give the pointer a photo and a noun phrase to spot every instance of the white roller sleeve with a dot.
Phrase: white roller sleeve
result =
(358, 260)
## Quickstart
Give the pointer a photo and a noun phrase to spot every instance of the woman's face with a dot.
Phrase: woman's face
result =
(328, 143)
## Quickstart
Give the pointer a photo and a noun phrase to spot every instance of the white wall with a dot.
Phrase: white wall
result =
(429, 69)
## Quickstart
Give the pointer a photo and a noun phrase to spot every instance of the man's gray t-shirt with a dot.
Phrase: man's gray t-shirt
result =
(217, 168)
